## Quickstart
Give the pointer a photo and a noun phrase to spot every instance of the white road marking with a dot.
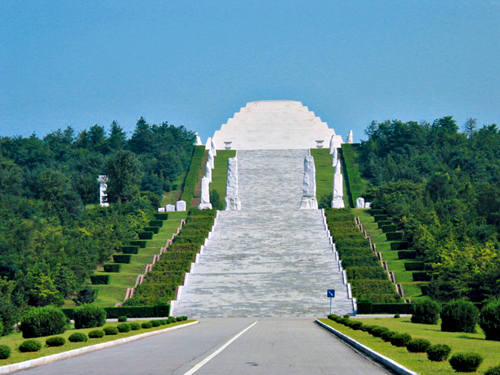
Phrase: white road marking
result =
(211, 356)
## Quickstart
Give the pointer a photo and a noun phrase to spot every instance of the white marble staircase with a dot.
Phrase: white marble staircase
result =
(270, 258)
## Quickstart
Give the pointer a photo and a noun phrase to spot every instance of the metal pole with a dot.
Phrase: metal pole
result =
(330, 305)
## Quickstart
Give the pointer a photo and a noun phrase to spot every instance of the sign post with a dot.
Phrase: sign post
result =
(330, 293)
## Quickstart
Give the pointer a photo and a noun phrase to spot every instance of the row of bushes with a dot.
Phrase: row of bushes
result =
(368, 278)
(461, 362)
(355, 187)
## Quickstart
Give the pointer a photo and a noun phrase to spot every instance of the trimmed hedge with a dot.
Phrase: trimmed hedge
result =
(365, 273)
(78, 337)
(418, 346)
(99, 279)
(376, 211)
(421, 276)
(145, 235)
(394, 236)
(367, 307)
(96, 334)
(383, 223)
(55, 341)
(111, 267)
(89, 316)
(155, 230)
(141, 243)
(408, 254)
(400, 245)
(189, 185)
(466, 362)
(122, 258)
(156, 223)
(161, 216)
(389, 228)
(414, 266)
(31, 345)
(110, 330)
(5, 352)
(130, 249)
(438, 352)
(130, 311)
(380, 217)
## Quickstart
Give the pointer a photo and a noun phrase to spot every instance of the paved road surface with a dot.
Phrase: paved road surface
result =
(271, 346)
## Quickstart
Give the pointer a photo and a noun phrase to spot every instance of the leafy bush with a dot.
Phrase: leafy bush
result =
(155, 323)
(161, 216)
(377, 331)
(4, 352)
(156, 223)
(89, 316)
(155, 230)
(163, 322)
(387, 335)
(96, 334)
(123, 327)
(397, 316)
(418, 345)
(141, 243)
(99, 279)
(356, 325)
(122, 258)
(364, 273)
(146, 325)
(421, 276)
(401, 339)
(171, 320)
(135, 326)
(426, 312)
(490, 320)
(43, 321)
(394, 236)
(370, 328)
(407, 254)
(30, 346)
(459, 316)
(112, 267)
(110, 330)
(122, 319)
(414, 266)
(399, 245)
(145, 235)
(495, 370)
(55, 341)
(78, 337)
(130, 249)
(438, 352)
(389, 228)
(466, 362)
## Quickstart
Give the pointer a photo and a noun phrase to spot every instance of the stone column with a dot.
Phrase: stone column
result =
(309, 190)
(213, 147)
(350, 138)
(198, 140)
(335, 157)
(102, 190)
(211, 159)
(338, 188)
(205, 194)
(233, 202)
(208, 172)
(360, 203)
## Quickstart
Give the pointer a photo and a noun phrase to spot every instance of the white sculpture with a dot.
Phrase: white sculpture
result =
(335, 157)
(338, 188)
(198, 140)
(169, 208)
(332, 144)
(102, 179)
(213, 147)
(161, 209)
(208, 172)
(205, 194)
(232, 200)
(180, 206)
(208, 146)
(211, 159)
(309, 188)
(360, 203)
(368, 204)
(350, 138)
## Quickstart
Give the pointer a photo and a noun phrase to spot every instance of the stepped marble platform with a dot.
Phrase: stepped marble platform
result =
(270, 258)
(275, 124)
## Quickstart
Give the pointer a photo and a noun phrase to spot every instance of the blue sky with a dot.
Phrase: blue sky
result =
(195, 63)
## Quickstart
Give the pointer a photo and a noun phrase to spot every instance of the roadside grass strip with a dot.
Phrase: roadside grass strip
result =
(418, 362)
(71, 349)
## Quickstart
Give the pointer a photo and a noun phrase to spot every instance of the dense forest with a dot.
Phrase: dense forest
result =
(53, 233)
(442, 187)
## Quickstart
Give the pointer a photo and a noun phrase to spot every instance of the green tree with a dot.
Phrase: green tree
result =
(124, 176)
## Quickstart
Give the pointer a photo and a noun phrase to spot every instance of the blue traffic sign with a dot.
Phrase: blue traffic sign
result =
(330, 293)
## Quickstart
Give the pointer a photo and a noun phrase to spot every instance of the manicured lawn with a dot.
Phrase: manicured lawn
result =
(15, 339)
(219, 173)
(458, 341)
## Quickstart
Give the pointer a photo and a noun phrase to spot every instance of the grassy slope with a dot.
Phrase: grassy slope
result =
(411, 288)
(324, 174)
(114, 293)
(15, 339)
(459, 342)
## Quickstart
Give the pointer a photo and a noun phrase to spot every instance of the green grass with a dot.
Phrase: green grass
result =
(113, 293)
(458, 341)
(411, 288)
(324, 176)
(192, 175)
(219, 173)
(15, 339)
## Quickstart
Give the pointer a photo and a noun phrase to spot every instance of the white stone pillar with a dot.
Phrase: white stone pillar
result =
(208, 172)
(338, 188)
(233, 202)
(350, 138)
(198, 140)
(335, 157)
(360, 203)
(211, 159)
(205, 194)
(213, 147)
(309, 188)
(102, 179)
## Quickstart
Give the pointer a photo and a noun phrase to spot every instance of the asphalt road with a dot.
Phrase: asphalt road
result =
(271, 346)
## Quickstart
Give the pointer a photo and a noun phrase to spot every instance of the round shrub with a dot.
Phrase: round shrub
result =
(466, 362)
(426, 312)
(459, 316)
(89, 316)
(400, 339)
(146, 325)
(155, 323)
(96, 334)
(163, 322)
(370, 328)
(377, 331)
(55, 341)
(364, 327)
(495, 370)
(171, 320)
(356, 325)
(397, 316)
(123, 327)
(43, 321)
(122, 319)
(418, 345)
(78, 337)
(346, 316)
(4, 352)
(30, 346)
(110, 330)
(490, 320)
(387, 335)
(135, 326)
(438, 352)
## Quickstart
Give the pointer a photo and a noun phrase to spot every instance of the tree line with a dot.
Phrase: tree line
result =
(52, 232)
(442, 187)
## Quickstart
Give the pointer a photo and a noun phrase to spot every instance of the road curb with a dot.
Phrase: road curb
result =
(393, 365)
(9, 369)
